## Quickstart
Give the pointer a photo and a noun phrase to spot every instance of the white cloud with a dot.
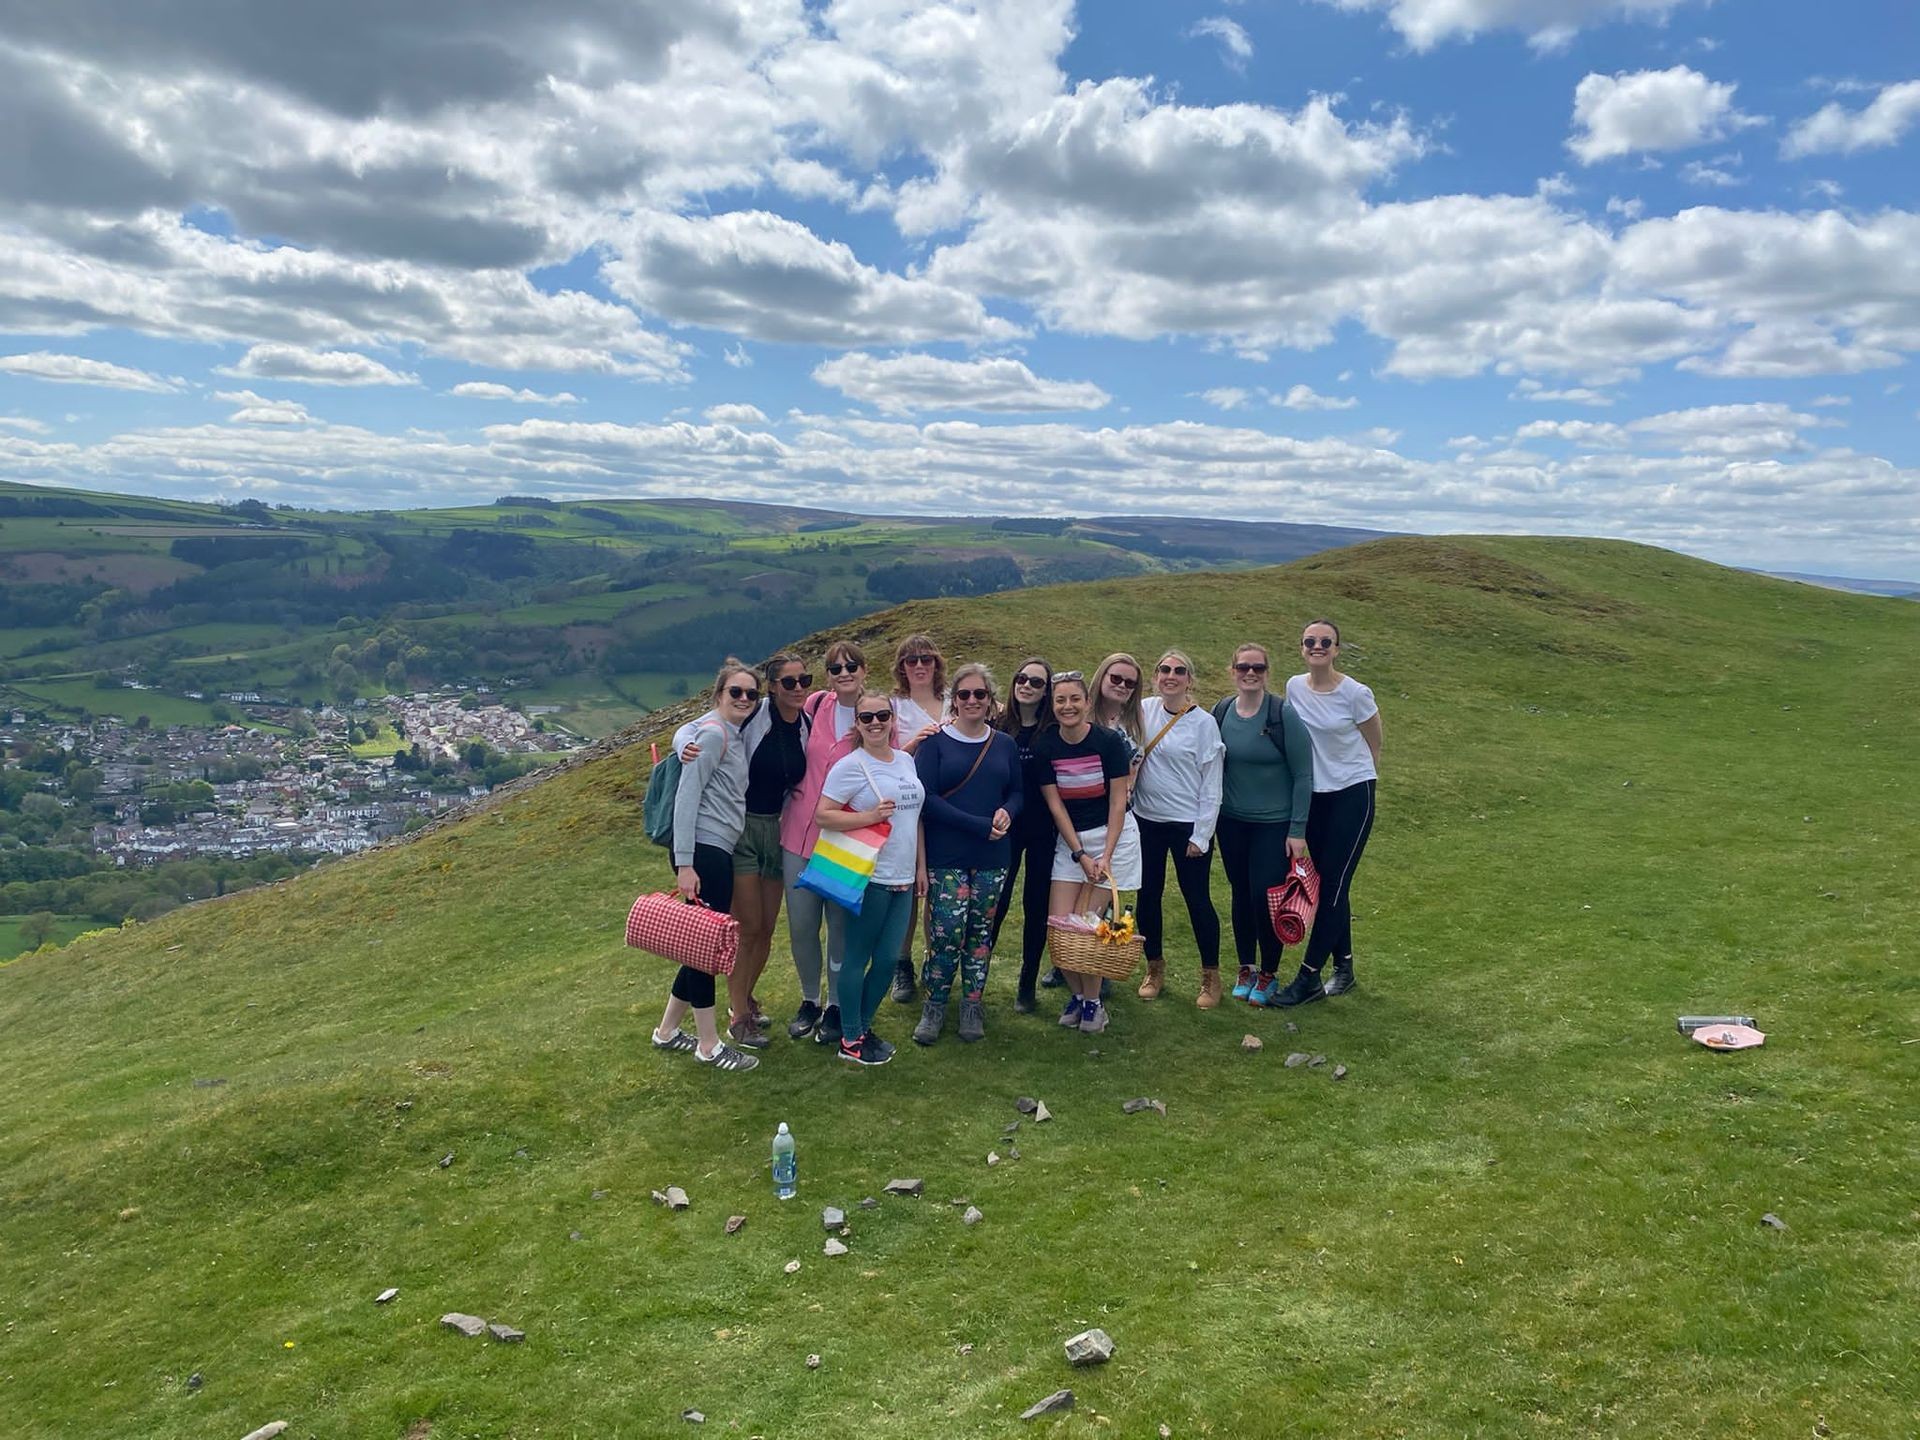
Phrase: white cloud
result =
(1650, 110)
(1304, 397)
(902, 384)
(1835, 130)
(1548, 24)
(735, 414)
(79, 370)
(1226, 397)
(24, 423)
(1534, 391)
(491, 390)
(738, 358)
(305, 366)
(1235, 47)
(259, 410)
(1829, 402)
(1720, 174)
(1590, 434)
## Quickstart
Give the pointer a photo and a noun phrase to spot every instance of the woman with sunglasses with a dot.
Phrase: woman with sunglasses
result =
(973, 780)
(1028, 711)
(1176, 800)
(919, 704)
(709, 811)
(830, 737)
(1344, 721)
(775, 738)
(1088, 776)
(1266, 787)
(875, 783)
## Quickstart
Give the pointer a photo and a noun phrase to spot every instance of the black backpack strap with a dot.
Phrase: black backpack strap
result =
(1276, 727)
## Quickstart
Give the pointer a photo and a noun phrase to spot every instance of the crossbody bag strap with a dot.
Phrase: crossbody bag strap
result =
(972, 770)
(1171, 722)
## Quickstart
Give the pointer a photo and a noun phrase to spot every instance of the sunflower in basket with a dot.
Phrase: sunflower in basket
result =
(1115, 932)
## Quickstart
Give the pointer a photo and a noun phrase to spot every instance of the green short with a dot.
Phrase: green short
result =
(757, 851)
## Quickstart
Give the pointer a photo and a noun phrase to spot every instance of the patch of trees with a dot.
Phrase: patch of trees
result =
(1094, 565)
(535, 502)
(46, 604)
(605, 517)
(932, 579)
(815, 527)
(1035, 526)
(747, 633)
(110, 894)
(212, 551)
(51, 506)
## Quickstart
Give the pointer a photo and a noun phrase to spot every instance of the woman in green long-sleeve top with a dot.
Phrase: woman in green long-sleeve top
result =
(1265, 792)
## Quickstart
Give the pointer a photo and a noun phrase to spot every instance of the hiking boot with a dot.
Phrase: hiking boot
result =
(1093, 1018)
(1264, 990)
(761, 1020)
(1070, 1017)
(725, 1057)
(1303, 989)
(1053, 979)
(973, 1020)
(1209, 995)
(903, 982)
(1341, 980)
(1156, 980)
(747, 1035)
(827, 1032)
(1025, 1003)
(804, 1020)
(1243, 987)
(932, 1016)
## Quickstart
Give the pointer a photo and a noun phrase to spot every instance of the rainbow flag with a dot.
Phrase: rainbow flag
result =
(842, 863)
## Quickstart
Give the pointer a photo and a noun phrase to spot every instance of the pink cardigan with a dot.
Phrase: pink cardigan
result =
(798, 829)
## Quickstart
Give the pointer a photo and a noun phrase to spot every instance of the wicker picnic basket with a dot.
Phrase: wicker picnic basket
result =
(1110, 959)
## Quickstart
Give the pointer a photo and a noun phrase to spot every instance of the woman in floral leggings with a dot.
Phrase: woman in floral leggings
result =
(972, 777)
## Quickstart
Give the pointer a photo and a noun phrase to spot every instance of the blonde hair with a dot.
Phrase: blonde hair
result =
(978, 667)
(1126, 715)
(1193, 670)
(730, 667)
(919, 645)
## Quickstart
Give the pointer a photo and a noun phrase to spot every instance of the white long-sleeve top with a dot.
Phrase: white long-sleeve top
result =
(1180, 780)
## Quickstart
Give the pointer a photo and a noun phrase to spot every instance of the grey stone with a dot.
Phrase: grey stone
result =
(906, 1187)
(1026, 1104)
(677, 1198)
(813, 1362)
(1013, 1152)
(468, 1325)
(973, 1216)
(1166, 1431)
(659, 1197)
(266, 1432)
(960, 1202)
(869, 1203)
(966, 1349)
(693, 1417)
(209, 1083)
(1297, 1059)
(446, 1160)
(1012, 1127)
(1252, 1044)
(575, 1235)
(194, 1382)
(403, 1104)
(793, 1267)
(1292, 1029)
(1041, 1114)
(832, 1218)
(385, 1295)
(833, 1247)
(1339, 1072)
(1773, 1221)
(521, 1153)
(1090, 1347)
(1144, 1102)
(993, 1157)
(506, 1334)
(599, 1194)
(1317, 1061)
(1058, 1401)
(734, 1222)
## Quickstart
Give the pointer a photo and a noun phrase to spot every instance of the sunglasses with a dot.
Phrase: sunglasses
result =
(741, 692)
(1069, 675)
(1173, 669)
(1318, 642)
(982, 694)
(1249, 667)
(1029, 679)
(1123, 681)
(918, 659)
(836, 668)
(795, 682)
(872, 717)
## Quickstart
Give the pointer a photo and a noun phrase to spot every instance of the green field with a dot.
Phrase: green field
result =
(65, 928)
(1618, 785)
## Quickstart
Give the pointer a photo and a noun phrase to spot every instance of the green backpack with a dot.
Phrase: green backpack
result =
(656, 811)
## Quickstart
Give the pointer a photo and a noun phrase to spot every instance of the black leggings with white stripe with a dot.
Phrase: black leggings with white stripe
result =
(1337, 830)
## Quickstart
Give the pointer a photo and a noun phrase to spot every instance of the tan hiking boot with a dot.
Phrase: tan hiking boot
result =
(1209, 995)
(1156, 980)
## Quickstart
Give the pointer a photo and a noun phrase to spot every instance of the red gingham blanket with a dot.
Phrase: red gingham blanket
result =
(687, 934)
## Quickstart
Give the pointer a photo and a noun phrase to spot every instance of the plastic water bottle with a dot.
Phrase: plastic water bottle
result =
(785, 1167)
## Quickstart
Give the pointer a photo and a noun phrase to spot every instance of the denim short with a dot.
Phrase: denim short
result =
(757, 851)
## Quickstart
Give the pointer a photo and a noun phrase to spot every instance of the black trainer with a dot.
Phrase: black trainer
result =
(805, 1019)
(903, 983)
(1053, 979)
(1024, 1003)
(874, 1050)
(1303, 989)
(827, 1032)
(1341, 981)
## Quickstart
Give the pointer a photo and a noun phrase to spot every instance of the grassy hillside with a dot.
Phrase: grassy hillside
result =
(1619, 785)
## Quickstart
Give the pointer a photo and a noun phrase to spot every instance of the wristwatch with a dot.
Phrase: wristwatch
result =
(1077, 856)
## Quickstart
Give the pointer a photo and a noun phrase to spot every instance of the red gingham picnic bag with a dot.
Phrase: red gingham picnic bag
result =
(1291, 903)
(685, 932)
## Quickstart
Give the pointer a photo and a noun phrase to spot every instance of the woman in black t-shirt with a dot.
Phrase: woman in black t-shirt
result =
(776, 762)
(1028, 713)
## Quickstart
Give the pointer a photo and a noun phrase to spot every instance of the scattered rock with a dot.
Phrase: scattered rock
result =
(468, 1325)
(403, 1105)
(506, 1334)
(906, 1187)
(966, 1349)
(1013, 1152)
(833, 1247)
(1012, 1127)
(209, 1083)
(1166, 1431)
(973, 1216)
(677, 1198)
(521, 1153)
(659, 1197)
(793, 1267)
(734, 1222)
(1026, 1105)
(832, 1218)
(1090, 1347)
(1058, 1401)
(693, 1417)
(1041, 1114)
(1093, 1054)
(1296, 1059)
(194, 1382)
(599, 1194)
(266, 1432)
(1292, 1029)
(386, 1295)
(1339, 1072)
(813, 1362)
(1252, 1044)
(446, 1160)
(869, 1203)
(993, 1157)
(575, 1235)
(1144, 1102)
(1317, 1061)
(1773, 1221)
(960, 1201)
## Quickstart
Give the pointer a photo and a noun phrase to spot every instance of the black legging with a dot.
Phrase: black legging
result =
(714, 866)
(1337, 830)
(1034, 847)
(1158, 840)
(1254, 855)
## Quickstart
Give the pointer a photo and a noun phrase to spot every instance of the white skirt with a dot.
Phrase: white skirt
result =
(1126, 855)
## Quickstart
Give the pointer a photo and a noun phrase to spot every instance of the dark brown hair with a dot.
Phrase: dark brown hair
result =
(1009, 720)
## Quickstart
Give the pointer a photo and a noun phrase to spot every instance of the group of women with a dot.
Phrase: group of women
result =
(1084, 783)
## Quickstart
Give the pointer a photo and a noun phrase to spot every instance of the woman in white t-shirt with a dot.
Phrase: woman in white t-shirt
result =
(920, 708)
(1344, 724)
(879, 783)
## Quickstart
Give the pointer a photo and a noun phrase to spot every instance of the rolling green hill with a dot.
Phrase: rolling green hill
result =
(1618, 785)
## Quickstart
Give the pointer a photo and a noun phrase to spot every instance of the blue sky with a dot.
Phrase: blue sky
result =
(1645, 268)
